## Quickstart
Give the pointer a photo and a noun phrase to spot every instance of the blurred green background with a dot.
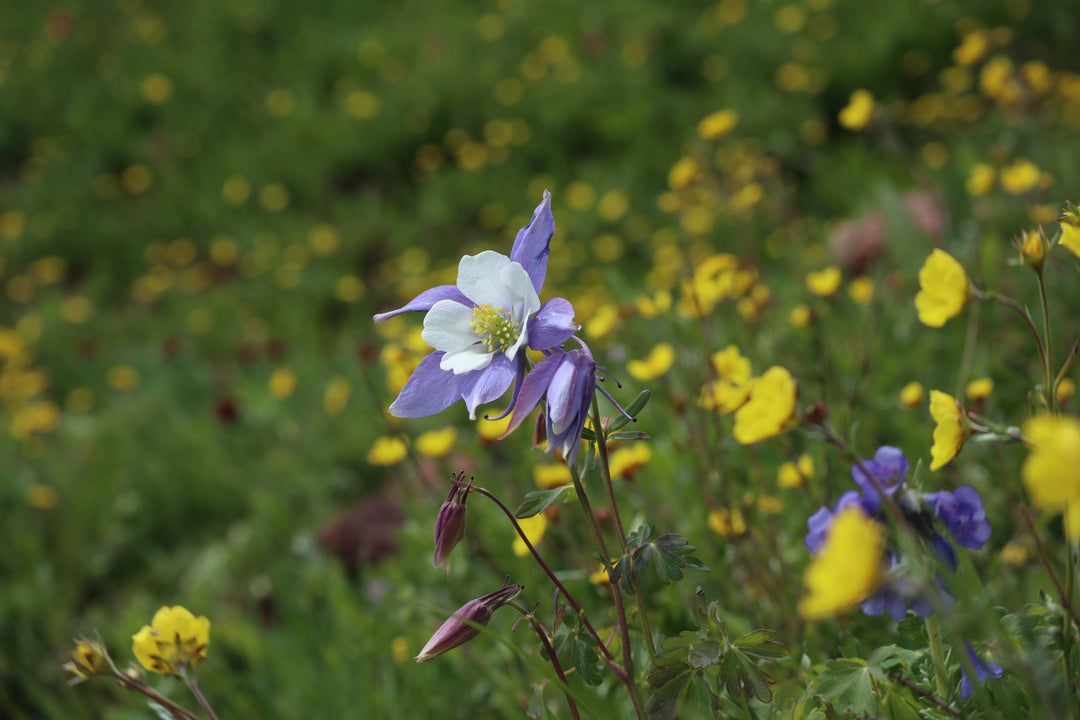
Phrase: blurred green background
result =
(203, 203)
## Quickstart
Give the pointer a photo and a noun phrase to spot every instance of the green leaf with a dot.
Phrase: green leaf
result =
(848, 685)
(538, 501)
(761, 643)
(629, 435)
(632, 410)
(578, 649)
(663, 702)
(743, 677)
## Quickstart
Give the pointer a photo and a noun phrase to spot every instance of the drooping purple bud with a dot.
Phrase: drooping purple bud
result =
(457, 629)
(984, 670)
(450, 522)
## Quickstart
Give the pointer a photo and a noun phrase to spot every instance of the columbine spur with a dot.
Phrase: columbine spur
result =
(480, 326)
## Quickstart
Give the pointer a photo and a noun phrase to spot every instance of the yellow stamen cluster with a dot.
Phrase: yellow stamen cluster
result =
(494, 327)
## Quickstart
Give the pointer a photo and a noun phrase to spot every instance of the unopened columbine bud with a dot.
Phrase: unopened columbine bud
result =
(457, 629)
(450, 522)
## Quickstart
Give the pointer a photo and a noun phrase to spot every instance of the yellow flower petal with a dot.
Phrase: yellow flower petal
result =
(847, 568)
(950, 431)
(770, 409)
(657, 363)
(943, 289)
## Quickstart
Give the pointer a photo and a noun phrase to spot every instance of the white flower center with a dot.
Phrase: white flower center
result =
(501, 301)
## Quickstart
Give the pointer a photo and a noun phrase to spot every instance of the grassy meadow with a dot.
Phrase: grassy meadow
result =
(203, 204)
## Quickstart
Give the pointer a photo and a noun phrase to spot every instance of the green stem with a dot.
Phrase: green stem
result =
(1028, 320)
(627, 669)
(605, 472)
(546, 568)
(552, 656)
(177, 711)
(1048, 380)
(937, 653)
(194, 687)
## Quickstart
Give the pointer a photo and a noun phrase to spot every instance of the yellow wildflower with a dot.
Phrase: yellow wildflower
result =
(600, 577)
(42, 497)
(979, 389)
(122, 378)
(175, 639)
(627, 459)
(336, 397)
(861, 290)
(943, 289)
(551, 475)
(282, 383)
(1049, 472)
(980, 180)
(683, 172)
(1014, 554)
(718, 124)
(534, 528)
(1032, 247)
(950, 430)
(1021, 176)
(492, 430)
(1065, 390)
(657, 363)
(859, 111)
(387, 451)
(911, 395)
(824, 283)
(88, 659)
(847, 568)
(800, 316)
(770, 409)
(436, 443)
(795, 474)
(399, 648)
(1070, 229)
(728, 523)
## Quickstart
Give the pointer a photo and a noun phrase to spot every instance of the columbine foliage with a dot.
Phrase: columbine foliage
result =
(707, 662)
(668, 555)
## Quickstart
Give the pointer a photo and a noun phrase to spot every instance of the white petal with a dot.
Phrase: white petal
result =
(466, 360)
(447, 327)
(522, 301)
(478, 278)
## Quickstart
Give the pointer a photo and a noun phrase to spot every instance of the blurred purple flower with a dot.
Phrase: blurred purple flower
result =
(567, 382)
(888, 470)
(900, 593)
(963, 513)
(984, 670)
(479, 327)
(818, 524)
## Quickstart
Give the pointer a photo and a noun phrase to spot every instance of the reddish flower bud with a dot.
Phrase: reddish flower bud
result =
(460, 627)
(450, 522)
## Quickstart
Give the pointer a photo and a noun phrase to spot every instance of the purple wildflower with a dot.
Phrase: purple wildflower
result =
(567, 382)
(984, 670)
(898, 594)
(887, 470)
(963, 513)
(479, 327)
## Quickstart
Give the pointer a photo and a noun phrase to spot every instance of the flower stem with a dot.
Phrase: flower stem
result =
(189, 678)
(620, 609)
(1048, 378)
(177, 711)
(605, 472)
(1028, 320)
(546, 568)
(546, 642)
(937, 653)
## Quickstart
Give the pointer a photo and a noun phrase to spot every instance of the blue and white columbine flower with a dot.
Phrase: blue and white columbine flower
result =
(480, 326)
